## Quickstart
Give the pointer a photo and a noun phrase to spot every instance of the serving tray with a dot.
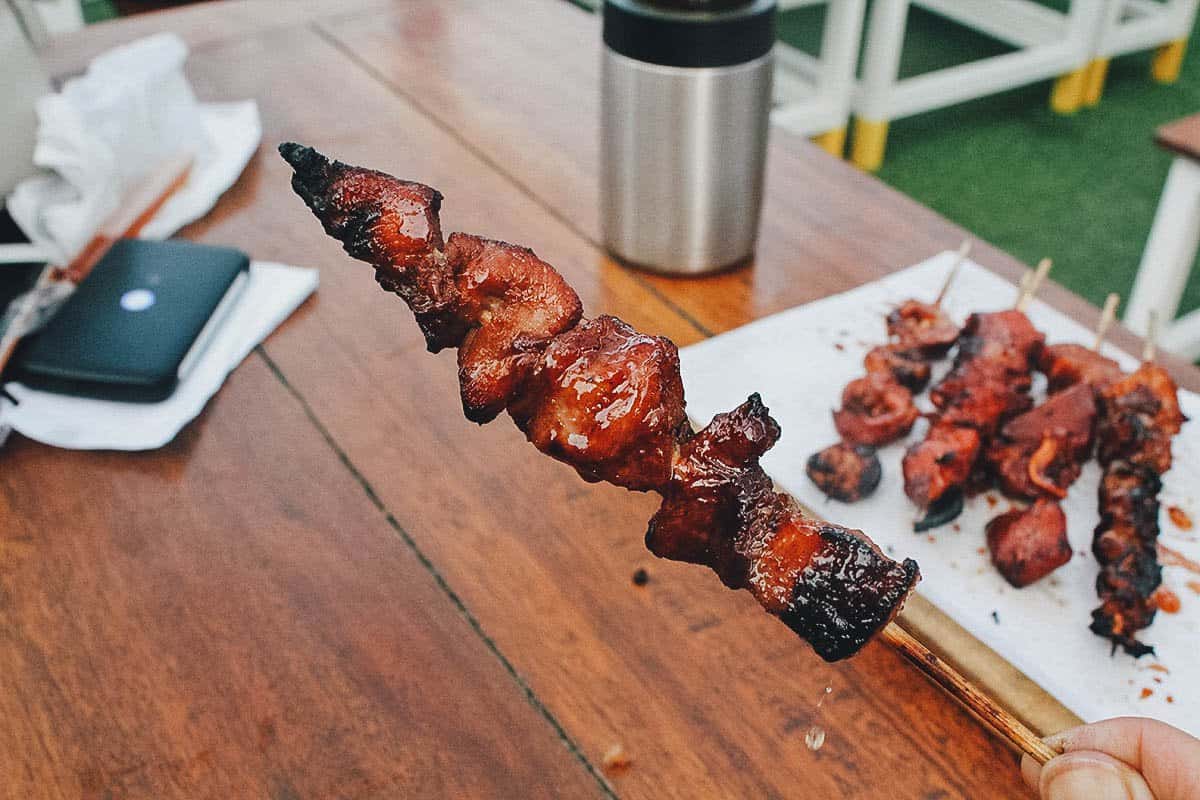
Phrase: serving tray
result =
(1030, 648)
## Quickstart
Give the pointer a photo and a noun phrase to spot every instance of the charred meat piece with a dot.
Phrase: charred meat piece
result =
(1005, 340)
(875, 410)
(1125, 545)
(1129, 494)
(940, 463)
(1139, 417)
(988, 384)
(923, 327)
(829, 584)
(1068, 364)
(846, 472)
(1125, 588)
(1041, 452)
(1027, 544)
(607, 400)
(907, 367)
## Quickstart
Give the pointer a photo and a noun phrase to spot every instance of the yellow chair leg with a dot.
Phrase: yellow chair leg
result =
(1168, 60)
(870, 140)
(1093, 88)
(832, 142)
(1067, 96)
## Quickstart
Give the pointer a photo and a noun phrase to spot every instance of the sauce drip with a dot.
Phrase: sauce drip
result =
(1166, 600)
(1179, 518)
(1173, 558)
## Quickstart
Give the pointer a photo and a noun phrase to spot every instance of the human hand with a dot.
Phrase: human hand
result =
(1128, 758)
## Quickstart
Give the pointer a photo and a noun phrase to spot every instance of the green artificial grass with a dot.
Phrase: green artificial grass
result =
(1081, 189)
(98, 11)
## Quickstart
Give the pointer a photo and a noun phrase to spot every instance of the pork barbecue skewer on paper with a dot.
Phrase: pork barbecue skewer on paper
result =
(608, 400)
(988, 384)
(1139, 416)
(878, 408)
(1036, 457)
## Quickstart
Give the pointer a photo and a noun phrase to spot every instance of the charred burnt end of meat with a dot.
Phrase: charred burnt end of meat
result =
(943, 512)
(1139, 415)
(1125, 545)
(1027, 544)
(845, 472)
(721, 510)
(1128, 496)
(607, 400)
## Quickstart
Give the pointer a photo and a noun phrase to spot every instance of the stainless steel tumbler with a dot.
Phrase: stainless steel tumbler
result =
(685, 95)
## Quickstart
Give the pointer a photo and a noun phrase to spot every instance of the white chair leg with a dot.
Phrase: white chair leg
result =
(1170, 250)
(881, 67)
(839, 59)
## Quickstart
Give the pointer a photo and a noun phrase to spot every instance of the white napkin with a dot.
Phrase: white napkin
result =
(272, 294)
(108, 128)
(800, 359)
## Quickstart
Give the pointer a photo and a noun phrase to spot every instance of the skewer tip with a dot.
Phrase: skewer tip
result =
(1107, 317)
(1151, 347)
(964, 250)
(1033, 282)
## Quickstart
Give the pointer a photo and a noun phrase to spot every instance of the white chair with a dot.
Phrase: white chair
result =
(1049, 44)
(1129, 26)
(1171, 248)
(813, 94)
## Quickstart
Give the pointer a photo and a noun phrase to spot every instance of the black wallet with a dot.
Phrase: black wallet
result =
(138, 322)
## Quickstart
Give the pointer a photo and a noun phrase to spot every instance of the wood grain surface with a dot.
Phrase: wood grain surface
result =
(232, 617)
(1181, 136)
(333, 585)
(543, 559)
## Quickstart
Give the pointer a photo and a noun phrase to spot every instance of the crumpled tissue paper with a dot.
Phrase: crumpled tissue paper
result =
(110, 127)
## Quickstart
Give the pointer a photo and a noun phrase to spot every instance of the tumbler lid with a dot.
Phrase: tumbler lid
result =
(690, 33)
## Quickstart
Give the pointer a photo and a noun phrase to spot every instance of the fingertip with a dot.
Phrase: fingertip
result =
(1091, 775)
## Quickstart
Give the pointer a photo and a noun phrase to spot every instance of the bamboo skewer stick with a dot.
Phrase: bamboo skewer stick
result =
(1107, 316)
(999, 721)
(964, 250)
(1150, 348)
(1032, 282)
(1002, 723)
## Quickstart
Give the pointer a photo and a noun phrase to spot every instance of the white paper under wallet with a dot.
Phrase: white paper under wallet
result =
(272, 294)
(800, 359)
(111, 126)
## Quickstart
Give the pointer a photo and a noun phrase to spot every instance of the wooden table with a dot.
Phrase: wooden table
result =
(332, 585)
(1173, 244)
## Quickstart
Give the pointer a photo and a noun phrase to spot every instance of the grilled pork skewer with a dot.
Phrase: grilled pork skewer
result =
(1139, 415)
(1041, 452)
(506, 310)
(878, 408)
(608, 400)
(1037, 457)
(988, 384)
